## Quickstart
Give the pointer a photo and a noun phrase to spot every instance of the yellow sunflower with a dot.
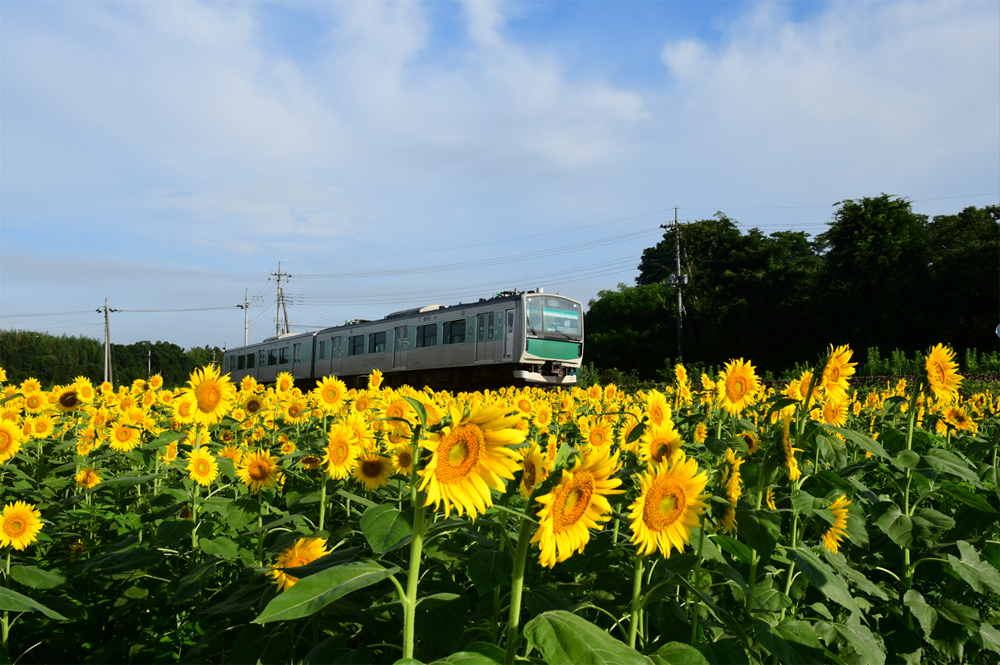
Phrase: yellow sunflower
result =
(837, 371)
(752, 441)
(123, 437)
(837, 532)
(302, 552)
(700, 432)
(248, 384)
(35, 402)
(329, 394)
(576, 504)
(737, 387)
(213, 395)
(835, 410)
(535, 469)
(542, 416)
(284, 383)
(373, 471)
(310, 462)
(669, 506)
(659, 444)
(769, 499)
(731, 486)
(296, 411)
(19, 525)
(595, 432)
(942, 375)
(375, 379)
(235, 453)
(87, 478)
(10, 440)
(956, 416)
(657, 409)
(67, 398)
(470, 457)
(202, 466)
(183, 410)
(258, 470)
(788, 452)
(253, 404)
(342, 451)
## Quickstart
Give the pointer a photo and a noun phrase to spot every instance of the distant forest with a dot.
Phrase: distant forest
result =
(880, 277)
(59, 360)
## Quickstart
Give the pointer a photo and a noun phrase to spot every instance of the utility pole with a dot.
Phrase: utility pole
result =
(246, 315)
(677, 280)
(107, 339)
(149, 361)
(281, 301)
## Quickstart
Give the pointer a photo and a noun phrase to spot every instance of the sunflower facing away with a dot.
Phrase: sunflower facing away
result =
(258, 470)
(302, 552)
(574, 506)
(202, 466)
(19, 525)
(470, 457)
(942, 375)
(737, 387)
(669, 507)
(837, 532)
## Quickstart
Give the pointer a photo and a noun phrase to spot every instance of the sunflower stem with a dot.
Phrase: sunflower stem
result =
(322, 503)
(911, 421)
(194, 516)
(696, 581)
(516, 587)
(496, 615)
(633, 627)
(412, 578)
(6, 613)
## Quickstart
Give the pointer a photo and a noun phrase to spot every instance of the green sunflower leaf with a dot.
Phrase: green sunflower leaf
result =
(14, 602)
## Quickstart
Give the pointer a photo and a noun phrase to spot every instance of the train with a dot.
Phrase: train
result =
(513, 338)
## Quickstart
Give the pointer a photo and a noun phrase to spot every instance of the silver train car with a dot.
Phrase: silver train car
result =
(511, 339)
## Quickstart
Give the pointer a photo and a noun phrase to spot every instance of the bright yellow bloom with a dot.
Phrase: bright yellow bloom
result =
(738, 386)
(284, 383)
(837, 532)
(88, 478)
(19, 525)
(657, 409)
(470, 457)
(329, 394)
(202, 466)
(942, 376)
(837, 371)
(67, 398)
(788, 452)
(769, 499)
(302, 552)
(700, 432)
(342, 451)
(375, 379)
(235, 453)
(595, 432)
(123, 437)
(731, 483)
(835, 410)
(10, 440)
(402, 459)
(576, 505)
(534, 469)
(659, 444)
(373, 471)
(213, 395)
(669, 507)
(258, 470)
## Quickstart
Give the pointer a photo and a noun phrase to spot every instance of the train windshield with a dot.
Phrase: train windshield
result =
(557, 318)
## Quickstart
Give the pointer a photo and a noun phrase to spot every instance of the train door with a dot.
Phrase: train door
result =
(508, 335)
(400, 342)
(482, 345)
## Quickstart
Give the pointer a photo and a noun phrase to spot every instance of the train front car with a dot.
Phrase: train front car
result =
(553, 340)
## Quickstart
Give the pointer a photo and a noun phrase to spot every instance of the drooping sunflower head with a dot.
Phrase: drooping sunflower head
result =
(534, 469)
(838, 531)
(752, 441)
(258, 470)
(738, 386)
(669, 507)
(470, 457)
(837, 371)
(300, 553)
(942, 373)
(19, 525)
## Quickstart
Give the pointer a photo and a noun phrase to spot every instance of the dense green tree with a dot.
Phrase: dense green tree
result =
(630, 327)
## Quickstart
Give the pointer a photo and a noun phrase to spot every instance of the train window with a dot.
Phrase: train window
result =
(260, 358)
(376, 342)
(250, 358)
(272, 357)
(296, 353)
(481, 333)
(241, 363)
(322, 350)
(453, 332)
(335, 347)
(356, 345)
(490, 325)
(283, 355)
(427, 335)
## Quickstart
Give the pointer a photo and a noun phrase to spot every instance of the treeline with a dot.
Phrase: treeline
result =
(881, 276)
(59, 360)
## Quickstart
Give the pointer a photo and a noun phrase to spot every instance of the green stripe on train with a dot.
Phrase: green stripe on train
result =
(550, 348)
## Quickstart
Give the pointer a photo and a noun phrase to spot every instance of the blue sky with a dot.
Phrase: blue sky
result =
(168, 155)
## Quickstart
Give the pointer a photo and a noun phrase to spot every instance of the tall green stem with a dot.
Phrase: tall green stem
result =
(633, 628)
(322, 502)
(413, 577)
(6, 614)
(910, 423)
(516, 587)
(696, 581)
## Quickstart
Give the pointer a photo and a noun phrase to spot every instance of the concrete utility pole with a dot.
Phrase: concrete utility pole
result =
(107, 339)
(281, 301)
(676, 280)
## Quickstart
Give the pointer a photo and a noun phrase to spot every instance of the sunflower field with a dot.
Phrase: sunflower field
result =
(716, 521)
